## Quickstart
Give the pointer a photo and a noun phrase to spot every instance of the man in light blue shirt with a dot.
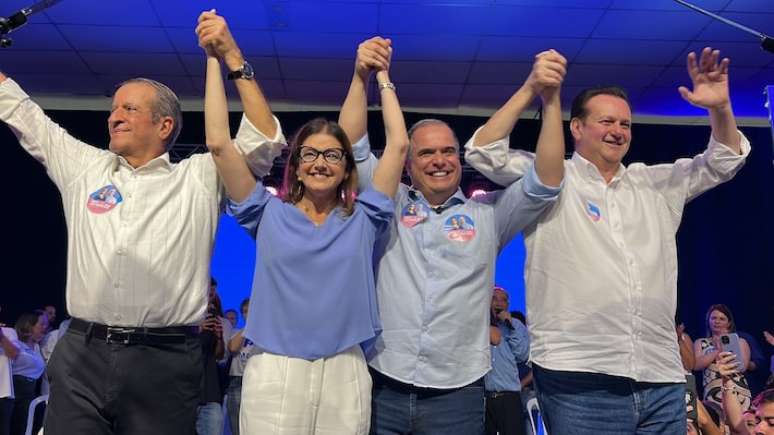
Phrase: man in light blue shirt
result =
(510, 346)
(435, 277)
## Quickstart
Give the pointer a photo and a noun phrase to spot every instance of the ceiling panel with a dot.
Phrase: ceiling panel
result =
(274, 90)
(429, 72)
(433, 47)
(265, 67)
(55, 83)
(740, 53)
(334, 70)
(624, 75)
(181, 85)
(675, 76)
(240, 14)
(750, 6)
(628, 52)
(717, 31)
(123, 13)
(306, 16)
(585, 4)
(633, 24)
(38, 37)
(326, 45)
(666, 5)
(432, 19)
(426, 95)
(510, 49)
(133, 64)
(62, 62)
(317, 92)
(502, 73)
(117, 39)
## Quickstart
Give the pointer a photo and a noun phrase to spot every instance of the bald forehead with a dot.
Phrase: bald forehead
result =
(433, 133)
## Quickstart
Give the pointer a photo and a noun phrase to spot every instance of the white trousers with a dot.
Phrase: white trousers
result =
(289, 396)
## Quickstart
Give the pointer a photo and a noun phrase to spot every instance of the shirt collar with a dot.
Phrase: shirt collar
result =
(590, 171)
(161, 162)
(458, 198)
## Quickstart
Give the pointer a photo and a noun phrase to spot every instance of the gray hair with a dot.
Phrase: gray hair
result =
(165, 104)
(424, 123)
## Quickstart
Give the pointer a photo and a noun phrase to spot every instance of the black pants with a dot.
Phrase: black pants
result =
(100, 388)
(25, 390)
(6, 410)
(504, 414)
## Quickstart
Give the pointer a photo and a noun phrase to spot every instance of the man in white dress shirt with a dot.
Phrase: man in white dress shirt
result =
(140, 236)
(602, 263)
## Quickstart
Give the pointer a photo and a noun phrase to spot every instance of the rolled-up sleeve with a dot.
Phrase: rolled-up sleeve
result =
(259, 150)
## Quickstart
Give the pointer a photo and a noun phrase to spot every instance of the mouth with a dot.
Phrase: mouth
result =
(439, 174)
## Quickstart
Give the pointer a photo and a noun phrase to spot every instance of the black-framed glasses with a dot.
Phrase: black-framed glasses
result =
(330, 155)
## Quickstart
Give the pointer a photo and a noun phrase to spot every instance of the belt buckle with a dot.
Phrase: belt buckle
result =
(116, 331)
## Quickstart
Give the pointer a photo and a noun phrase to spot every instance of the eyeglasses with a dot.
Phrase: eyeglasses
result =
(331, 155)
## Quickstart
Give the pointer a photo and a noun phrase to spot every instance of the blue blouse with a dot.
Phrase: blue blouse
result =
(313, 290)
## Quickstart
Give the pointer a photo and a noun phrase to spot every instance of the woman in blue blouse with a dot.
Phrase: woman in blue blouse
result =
(313, 304)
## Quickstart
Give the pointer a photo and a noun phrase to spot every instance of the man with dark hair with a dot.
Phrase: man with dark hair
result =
(764, 412)
(437, 271)
(140, 237)
(602, 262)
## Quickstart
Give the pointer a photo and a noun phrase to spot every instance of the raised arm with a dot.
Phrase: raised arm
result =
(388, 171)
(548, 69)
(709, 77)
(727, 367)
(372, 55)
(232, 168)
(549, 155)
(259, 137)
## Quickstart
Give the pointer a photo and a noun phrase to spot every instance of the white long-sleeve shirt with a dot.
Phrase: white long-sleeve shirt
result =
(139, 239)
(601, 270)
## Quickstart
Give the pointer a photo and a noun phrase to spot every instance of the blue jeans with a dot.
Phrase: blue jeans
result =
(233, 403)
(592, 403)
(209, 419)
(398, 408)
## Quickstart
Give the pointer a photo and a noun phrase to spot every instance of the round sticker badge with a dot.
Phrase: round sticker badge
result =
(459, 228)
(414, 213)
(104, 199)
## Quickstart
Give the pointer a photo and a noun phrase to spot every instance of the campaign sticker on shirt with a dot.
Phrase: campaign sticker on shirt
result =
(593, 211)
(104, 199)
(459, 228)
(414, 213)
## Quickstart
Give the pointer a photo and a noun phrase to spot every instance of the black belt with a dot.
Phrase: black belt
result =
(382, 379)
(134, 335)
(496, 394)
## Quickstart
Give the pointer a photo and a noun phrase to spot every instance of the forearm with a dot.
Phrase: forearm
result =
(504, 120)
(388, 172)
(724, 128)
(9, 349)
(702, 361)
(549, 157)
(353, 117)
(254, 103)
(232, 168)
(686, 354)
(731, 407)
(236, 342)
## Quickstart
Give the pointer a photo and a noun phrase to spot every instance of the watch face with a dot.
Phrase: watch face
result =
(247, 71)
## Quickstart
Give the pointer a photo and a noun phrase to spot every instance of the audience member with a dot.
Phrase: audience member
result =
(8, 352)
(28, 367)
(764, 412)
(243, 349)
(231, 316)
(720, 321)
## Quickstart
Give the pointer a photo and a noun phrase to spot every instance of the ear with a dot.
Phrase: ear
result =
(575, 128)
(166, 126)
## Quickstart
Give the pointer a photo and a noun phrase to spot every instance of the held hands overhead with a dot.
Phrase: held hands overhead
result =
(373, 54)
(547, 74)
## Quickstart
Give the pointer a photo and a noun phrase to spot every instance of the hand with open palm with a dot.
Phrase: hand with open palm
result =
(710, 80)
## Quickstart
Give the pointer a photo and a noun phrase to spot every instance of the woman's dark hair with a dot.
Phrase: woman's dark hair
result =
(26, 322)
(293, 188)
(723, 309)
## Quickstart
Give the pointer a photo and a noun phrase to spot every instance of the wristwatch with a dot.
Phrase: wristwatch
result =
(244, 72)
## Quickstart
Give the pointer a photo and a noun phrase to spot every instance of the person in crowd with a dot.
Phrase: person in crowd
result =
(140, 239)
(503, 389)
(601, 272)
(704, 425)
(316, 247)
(739, 421)
(719, 321)
(8, 352)
(27, 366)
(430, 360)
(242, 349)
(231, 316)
(764, 412)
(52, 319)
(213, 330)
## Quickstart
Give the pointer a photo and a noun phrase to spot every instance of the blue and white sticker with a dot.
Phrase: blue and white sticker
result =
(460, 228)
(593, 211)
(104, 199)
(414, 213)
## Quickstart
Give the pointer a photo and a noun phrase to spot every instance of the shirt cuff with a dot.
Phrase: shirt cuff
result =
(497, 144)
(361, 149)
(536, 189)
(718, 147)
(11, 95)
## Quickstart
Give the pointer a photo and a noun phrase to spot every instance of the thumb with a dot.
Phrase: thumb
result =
(686, 94)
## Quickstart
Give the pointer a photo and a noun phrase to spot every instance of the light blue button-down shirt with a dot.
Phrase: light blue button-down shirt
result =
(512, 350)
(436, 276)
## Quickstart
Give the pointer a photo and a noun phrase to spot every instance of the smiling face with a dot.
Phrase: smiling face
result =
(434, 162)
(603, 135)
(131, 124)
(322, 176)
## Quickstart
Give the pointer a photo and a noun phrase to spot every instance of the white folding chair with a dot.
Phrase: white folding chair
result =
(31, 413)
(532, 408)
